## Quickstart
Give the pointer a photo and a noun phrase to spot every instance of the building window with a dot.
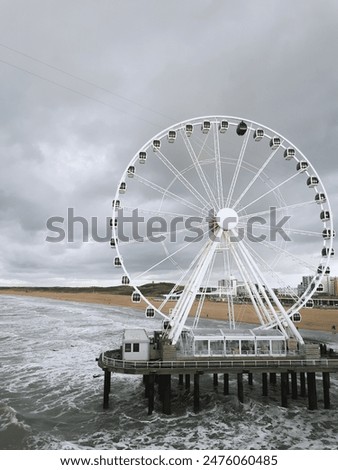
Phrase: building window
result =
(127, 347)
(136, 347)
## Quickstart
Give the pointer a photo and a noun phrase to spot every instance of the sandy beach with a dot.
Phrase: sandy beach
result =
(312, 319)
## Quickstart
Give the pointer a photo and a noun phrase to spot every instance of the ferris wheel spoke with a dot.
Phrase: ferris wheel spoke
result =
(238, 166)
(181, 178)
(268, 192)
(170, 194)
(280, 315)
(179, 250)
(254, 179)
(198, 167)
(250, 288)
(276, 209)
(150, 238)
(183, 276)
(160, 212)
(283, 252)
(270, 270)
(219, 179)
(203, 293)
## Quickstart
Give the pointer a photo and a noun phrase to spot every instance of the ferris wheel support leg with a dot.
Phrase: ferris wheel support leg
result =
(274, 297)
(188, 296)
(248, 287)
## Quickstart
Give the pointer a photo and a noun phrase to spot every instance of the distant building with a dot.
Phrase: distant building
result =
(227, 287)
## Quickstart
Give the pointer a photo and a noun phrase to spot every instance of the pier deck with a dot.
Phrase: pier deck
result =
(111, 361)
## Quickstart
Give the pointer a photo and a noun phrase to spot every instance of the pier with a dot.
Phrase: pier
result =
(298, 377)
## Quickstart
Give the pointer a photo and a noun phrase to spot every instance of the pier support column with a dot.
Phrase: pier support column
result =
(294, 389)
(106, 389)
(302, 384)
(146, 385)
(226, 384)
(166, 394)
(273, 378)
(215, 380)
(180, 380)
(240, 390)
(250, 378)
(196, 392)
(187, 381)
(151, 393)
(311, 390)
(284, 380)
(326, 389)
(265, 384)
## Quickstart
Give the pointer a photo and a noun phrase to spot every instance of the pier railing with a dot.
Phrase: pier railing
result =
(122, 365)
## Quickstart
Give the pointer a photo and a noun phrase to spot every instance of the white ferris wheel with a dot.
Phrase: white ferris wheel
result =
(227, 209)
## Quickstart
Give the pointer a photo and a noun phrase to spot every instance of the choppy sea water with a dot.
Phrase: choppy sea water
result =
(51, 392)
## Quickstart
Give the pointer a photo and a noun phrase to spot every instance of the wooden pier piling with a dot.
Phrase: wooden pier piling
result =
(294, 388)
(106, 388)
(240, 390)
(302, 384)
(226, 384)
(326, 389)
(187, 381)
(196, 392)
(215, 380)
(284, 379)
(166, 383)
(311, 390)
(265, 384)
(151, 393)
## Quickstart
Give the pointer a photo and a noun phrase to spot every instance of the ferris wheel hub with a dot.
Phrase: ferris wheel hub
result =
(227, 218)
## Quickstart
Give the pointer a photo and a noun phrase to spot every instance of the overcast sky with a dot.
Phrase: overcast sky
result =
(85, 83)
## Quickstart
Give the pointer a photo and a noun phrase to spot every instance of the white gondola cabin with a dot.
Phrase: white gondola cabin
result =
(275, 143)
(117, 262)
(113, 242)
(113, 222)
(302, 166)
(296, 317)
(258, 135)
(142, 157)
(116, 204)
(241, 128)
(320, 198)
(150, 312)
(289, 153)
(326, 252)
(312, 181)
(320, 288)
(205, 127)
(171, 136)
(136, 297)
(156, 145)
(123, 187)
(223, 126)
(325, 216)
(309, 304)
(327, 234)
(189, 128)
(321, 269)
(131, 172)
(125, 280)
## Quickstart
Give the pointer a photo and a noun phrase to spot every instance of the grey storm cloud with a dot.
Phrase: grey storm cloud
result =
(84, 84)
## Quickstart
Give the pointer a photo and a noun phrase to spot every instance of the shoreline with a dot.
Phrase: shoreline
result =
(312, 319)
